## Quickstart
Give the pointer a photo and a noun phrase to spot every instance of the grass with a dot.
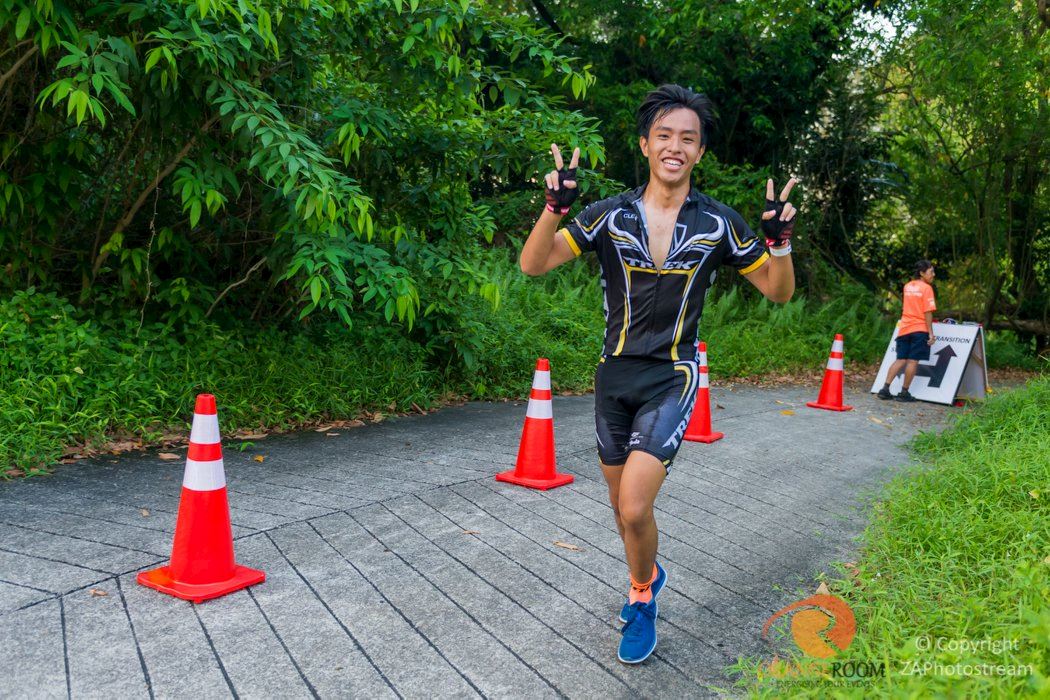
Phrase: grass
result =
(958, 549)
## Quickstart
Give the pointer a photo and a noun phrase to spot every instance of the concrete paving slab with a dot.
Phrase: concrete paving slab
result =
(467, 645)
(398, 567)
(15, 596)
(103, 656)
(33, 664)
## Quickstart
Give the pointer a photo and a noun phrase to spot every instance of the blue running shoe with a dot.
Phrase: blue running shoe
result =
(658, 585)
(639, 634)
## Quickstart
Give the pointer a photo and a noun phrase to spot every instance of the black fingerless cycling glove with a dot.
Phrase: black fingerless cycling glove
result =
(560, 200)
(777, 232)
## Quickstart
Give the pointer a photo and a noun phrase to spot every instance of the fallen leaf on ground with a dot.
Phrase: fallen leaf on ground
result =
(787, 412)
(98, 592)
(144, 512)
(778, 401)
(851, 567)
(822, 589)
(250, 436)
(566, 545)
(718, 405)
(471, 532)
(167, 456)
(258, 458)
(416, 408)
(323, 428)
(873, 419)
(333, 434)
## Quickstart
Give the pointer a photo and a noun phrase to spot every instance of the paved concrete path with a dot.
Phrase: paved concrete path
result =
(398, 567)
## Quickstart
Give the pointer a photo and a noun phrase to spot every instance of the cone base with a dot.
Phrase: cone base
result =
(161, 580)
(707, 439)
(541, 484)
(828, 407)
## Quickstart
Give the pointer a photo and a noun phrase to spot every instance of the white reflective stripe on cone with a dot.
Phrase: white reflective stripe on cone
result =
(541, 380)
(205, 430)
(703, 359)
(539, 408)
(703, 380)
(836, 346)
(835, 363)
(204, 476)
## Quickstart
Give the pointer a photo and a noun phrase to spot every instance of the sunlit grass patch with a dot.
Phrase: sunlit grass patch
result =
(952, 590)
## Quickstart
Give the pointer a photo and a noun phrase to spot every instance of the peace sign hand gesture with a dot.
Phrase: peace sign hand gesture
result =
(561, 183)
(778, 219)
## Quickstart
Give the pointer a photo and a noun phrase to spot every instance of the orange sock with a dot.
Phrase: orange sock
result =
(642, 592)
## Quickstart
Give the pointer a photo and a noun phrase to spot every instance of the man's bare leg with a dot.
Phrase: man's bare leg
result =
(909, 372)
(894, 370)
(640, 481)
(612, 475)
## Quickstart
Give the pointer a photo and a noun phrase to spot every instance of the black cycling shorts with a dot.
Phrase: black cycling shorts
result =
(642, 404)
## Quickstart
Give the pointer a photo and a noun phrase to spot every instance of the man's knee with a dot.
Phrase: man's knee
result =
(635, 513)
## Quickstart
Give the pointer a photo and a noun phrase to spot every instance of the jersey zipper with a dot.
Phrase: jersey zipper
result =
(656, 285)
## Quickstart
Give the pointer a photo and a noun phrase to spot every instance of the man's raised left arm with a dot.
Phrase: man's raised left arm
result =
(776, 279)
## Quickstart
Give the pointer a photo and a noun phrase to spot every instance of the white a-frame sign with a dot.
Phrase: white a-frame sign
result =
(956, 368)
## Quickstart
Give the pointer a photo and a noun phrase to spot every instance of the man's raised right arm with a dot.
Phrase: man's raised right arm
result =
(544, 249)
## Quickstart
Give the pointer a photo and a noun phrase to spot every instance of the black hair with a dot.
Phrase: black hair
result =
(920, 267)
(668, 97)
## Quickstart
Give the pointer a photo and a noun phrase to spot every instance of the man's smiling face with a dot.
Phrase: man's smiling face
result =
(673, 146)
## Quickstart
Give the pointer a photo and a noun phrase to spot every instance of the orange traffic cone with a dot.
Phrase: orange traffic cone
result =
(202, 564)
(535, 465)
(699, 428)
(831, 390)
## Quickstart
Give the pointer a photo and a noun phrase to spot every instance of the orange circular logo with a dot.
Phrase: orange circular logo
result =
(823, 627)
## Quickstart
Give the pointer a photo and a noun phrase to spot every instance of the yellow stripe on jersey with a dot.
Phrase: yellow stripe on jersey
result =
(687, 370)
(572, 244)
(755, 265)
(588, 229)
(732, 230)
(623, 327)
(681, 309)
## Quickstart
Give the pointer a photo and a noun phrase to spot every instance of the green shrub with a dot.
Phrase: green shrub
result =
(66, 379)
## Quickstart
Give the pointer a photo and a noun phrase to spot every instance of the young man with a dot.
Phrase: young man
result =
(659, 247)
(914, 330)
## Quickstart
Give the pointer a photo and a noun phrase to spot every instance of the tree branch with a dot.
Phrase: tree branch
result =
(130, 214)
(238, 283)
(547, 17)
(14, 69)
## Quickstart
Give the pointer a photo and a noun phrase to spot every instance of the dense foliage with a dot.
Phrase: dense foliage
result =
(967, 97)
(268, 157)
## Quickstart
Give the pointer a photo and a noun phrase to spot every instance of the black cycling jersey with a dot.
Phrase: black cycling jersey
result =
(654, 312)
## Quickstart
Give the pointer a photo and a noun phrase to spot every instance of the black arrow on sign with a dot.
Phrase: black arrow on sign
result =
(936, 372)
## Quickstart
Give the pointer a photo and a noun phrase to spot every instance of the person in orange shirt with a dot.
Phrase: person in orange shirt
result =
(914, 330)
